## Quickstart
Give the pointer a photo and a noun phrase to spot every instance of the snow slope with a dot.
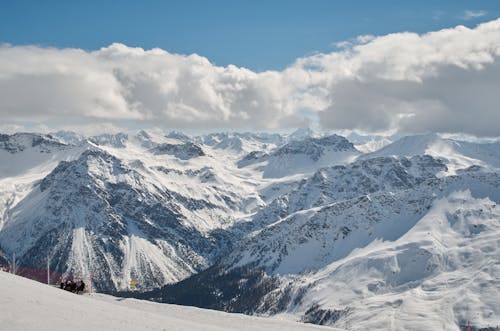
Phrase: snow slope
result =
(302, 156)
(440, 273)
(458, 154)
(26, 158)
(28, 305)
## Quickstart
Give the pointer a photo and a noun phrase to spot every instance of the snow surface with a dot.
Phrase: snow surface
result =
(29, 305)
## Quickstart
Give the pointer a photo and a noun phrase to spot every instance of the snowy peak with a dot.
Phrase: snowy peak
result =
(183, 151)
(386, 251)
(458, 154)
(19, 142)
(301, 134)
(241, 142)
(178, 135)
(368, 143)
(315, 148)
(68, 137)
(377, 174)
(408, 146)
(118, 140)
(302, 156)
(92, 162)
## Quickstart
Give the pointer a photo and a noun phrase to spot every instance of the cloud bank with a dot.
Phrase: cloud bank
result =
(445, 81)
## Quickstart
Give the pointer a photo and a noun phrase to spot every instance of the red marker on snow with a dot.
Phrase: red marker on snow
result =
(468, 325)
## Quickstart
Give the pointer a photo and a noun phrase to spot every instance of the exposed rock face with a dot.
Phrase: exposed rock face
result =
(95, 214)
(184, 151)
(18, 142)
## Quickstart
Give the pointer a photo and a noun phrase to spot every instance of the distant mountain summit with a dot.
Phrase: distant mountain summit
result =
(183, 151)
(303, 156)
(19, 142)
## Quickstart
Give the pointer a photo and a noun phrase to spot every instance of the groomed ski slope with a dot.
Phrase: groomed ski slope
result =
(29, 305)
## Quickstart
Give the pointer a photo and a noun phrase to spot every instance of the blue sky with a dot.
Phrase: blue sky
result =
(256, 34)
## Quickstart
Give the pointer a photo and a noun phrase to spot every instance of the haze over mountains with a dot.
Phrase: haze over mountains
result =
(374, 235)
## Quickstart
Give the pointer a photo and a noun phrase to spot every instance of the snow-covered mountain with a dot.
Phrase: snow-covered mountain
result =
(26, 158)
(184, 151)
(244, 142)
(368, 144)
(97, 214)
(98, 208)
(302, 225)
(302, 156)
(380, 260)
(458, 154)
(337, 183)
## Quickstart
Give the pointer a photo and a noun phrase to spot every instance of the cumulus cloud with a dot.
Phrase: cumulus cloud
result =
(446, 81)
(119, 83)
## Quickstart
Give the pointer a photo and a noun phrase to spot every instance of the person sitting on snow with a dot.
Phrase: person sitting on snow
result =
(80, 287)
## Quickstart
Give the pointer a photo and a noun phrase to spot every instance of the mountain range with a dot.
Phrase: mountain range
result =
(377, 234)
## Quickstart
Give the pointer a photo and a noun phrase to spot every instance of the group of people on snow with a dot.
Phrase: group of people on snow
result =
(72, 286)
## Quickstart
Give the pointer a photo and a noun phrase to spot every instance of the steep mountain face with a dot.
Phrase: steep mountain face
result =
(316, 236)
(18, 142)
(315, 148)
(302, 156)
(178, 136)
(24, 159)
(97, 215)
(362, 177)
(183, 151)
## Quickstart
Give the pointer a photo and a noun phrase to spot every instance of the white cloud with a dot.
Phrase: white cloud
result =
(122, 83)
(11, 128)
(363, 39)
(445, 81)
(472, 14)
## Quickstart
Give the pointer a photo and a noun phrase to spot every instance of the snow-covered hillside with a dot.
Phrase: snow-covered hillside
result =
(28, 305)
(375, 256)
(302, 225)
(302, 156)
(458, 154)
